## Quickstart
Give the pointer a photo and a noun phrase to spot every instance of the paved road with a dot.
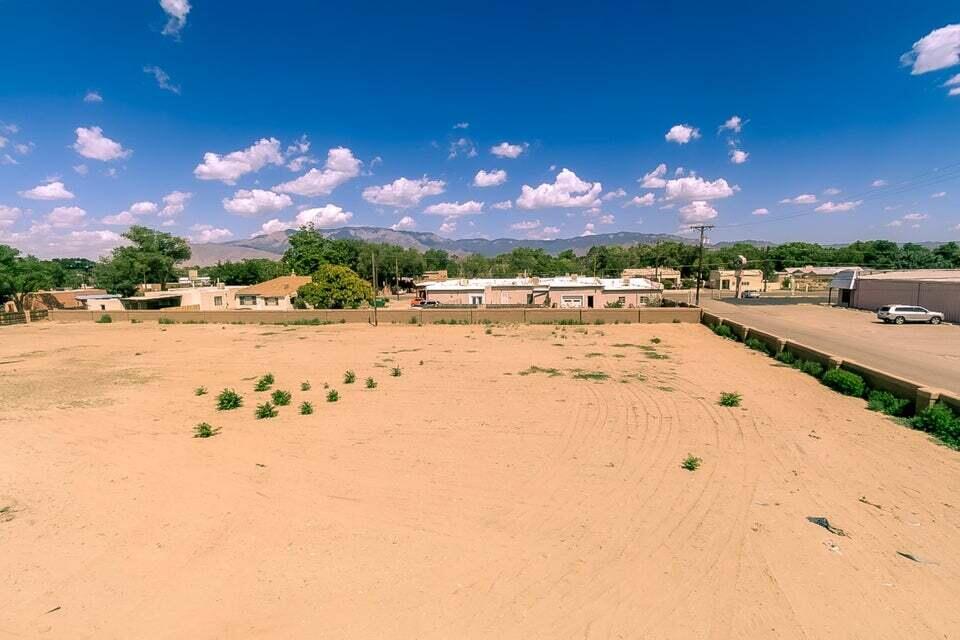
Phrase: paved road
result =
(924, 353)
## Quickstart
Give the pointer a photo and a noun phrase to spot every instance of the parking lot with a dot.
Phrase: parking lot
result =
(925, 353)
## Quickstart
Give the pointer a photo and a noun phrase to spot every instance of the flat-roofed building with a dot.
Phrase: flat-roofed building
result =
(561, 292)
(663, 275)
(933, 289)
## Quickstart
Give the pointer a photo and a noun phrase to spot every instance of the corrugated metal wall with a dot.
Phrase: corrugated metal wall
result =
(936, 296)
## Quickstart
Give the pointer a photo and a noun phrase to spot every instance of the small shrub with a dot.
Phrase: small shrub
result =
(810, 367)
(723, 331)
(200, 391)
(728, 399)
(349, 377)
(371, 383)
(786, 357)
(886, 402)
(757, 345)
(590, 375)
(488, 331)
(535, 369)
(333, 395)
(691, 463)
(229, 399)
(204, 430)
(280, 398)
(306, 408)
(846, 382)
(264, 383)
(305, 386)
(105, 319)
(135, 321)
(396, 372)
(655, 340)
(166, 321)
(939, 420)
(265, 410)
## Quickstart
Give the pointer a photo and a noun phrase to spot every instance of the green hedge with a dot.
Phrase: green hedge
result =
(847, 383)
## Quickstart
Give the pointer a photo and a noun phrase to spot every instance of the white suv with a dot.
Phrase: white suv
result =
(900, 313)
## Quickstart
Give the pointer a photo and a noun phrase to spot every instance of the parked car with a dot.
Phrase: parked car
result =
(900, 313)
(426, 304)
(751, 294)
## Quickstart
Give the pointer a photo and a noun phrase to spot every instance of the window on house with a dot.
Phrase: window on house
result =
(271, 302)
(248, 301)
(218, 301)
(622, 300)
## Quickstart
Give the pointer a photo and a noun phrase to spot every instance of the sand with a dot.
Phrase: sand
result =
(461, 499)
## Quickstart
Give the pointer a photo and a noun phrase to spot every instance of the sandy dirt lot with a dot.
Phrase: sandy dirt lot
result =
(925, 353)
(461, 499)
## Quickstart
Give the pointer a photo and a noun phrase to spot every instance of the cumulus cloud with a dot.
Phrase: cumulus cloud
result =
(404, 224)
(50, 191)
(403, 192)
(93, 96)
(44, 241)
(232, 166)
(506, 204)
(462, 146)
(162, 78)
(938, 194)
(738, 156)
(733, 123)
(606, 219)
(143, 207)
(525, 225)
(81, 169)
(174, 203)
(655, 179)
(124, 218)
(760, 212)
(831, 191)
(894, 223)
(613, 195)
(566, 191)
(340, 167)
(489, 178)
(879, 182)
(696, 212)
(461, 125)
(507, 150)
(8, 215)
(176, 11)
(453, 209)
(204, 233)
(838, 207)
(448, 227)
(938, 49)
(915, 217)
(696, 188)
(588, 229)
(66, 217)
(255, 202)
(329, 215)
(682, 134)
(91, 143)
(273, 225)
(128, 216)
(646, 200)
(803, 198)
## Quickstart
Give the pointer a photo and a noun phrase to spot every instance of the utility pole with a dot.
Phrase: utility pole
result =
(701, 228)
(396, 264)
(373, 258)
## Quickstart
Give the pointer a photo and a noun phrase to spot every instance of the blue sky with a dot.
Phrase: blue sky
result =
(349, 115)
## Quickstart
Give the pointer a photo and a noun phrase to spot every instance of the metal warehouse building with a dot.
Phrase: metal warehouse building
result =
(934, 289)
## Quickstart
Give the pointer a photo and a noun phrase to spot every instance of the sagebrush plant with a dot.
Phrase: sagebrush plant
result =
(200, 391)
(396, 372)
(333, 395)
(730, 399)
(786, 357)
(265, 410)
(305, 386)
(940, 421)
(281, 398)
(757, 345)
(371, 383)
(723, 331)
(264, 383)
(810, 367)
(105, 319)
(229, 399)
(306, 408)
(886, 402)
(655, 340)
(349, 377)
(846, 382)
(204, 430)
(691, 463)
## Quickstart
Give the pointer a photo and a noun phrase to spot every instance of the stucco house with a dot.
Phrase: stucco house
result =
(562, 292)
(276, 294)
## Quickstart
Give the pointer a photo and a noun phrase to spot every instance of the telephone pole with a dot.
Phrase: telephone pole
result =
(701, 228)
(373, 257)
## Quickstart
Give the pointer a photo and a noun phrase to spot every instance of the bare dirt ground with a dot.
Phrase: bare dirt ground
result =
(925, 353)
(461, 499)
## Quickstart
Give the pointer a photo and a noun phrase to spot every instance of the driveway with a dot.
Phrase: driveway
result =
(925, 353)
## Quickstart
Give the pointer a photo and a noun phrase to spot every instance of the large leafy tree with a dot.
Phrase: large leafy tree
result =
(246, 272)
(151, 256)
(335, 287)
(20, 276)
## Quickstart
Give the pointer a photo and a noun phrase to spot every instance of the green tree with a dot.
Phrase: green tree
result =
(21, 276)
(335, 287)
(245, 272)
(309, 249)
(151, 256)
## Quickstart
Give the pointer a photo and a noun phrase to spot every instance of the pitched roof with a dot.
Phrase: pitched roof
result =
(276, 288)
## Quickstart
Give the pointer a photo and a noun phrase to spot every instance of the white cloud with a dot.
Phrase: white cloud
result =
(461, 125)
(760, 212)
(9, 128)
(738, 156)
(506, 204)
(8, 215)
(23, 148)
(448, 227)
(606, 219)
(831, 191)
(255, 202)
(124, 218)
(588, 229)
(8, 159)
(404, 224)
(452, 209)
(696, 188)
(329, 215)
(462, 146)
(507, 150)
(954, 92)
(92, 96)
(49, 191)
(81, 169)
(340, 167)
(174, 203)
(894, 223)
(66, 217)
(667, 206)
(838, 207)
(91, 143)
(646, 200)
(162, 78)
(696, 212)
(612, 195)
(733, 123)
(682, 134)
(955, 80)
(525, 225)
(566, 191)
(3, 142)
(549, 232)
(803, 198)
(879, 183)
(403, 192)
(177, 11)
(938, 194)
(143, 208)
(915, 217)
(273, 225)
(239, 163)
(208, 233)
(654, 179)
(489, 179)
(938, 49)
(297, 164)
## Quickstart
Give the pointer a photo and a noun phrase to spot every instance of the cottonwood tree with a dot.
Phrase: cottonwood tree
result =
(335, 287)
(151, 256)
(21, 276)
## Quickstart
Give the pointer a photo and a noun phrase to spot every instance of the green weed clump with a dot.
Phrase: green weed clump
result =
(280, 398)
(729, 399)
(846, 382)
(166, 321)
(396, 372)
(691, 463)
(306, 408)
(810, 367)
(333, 395)
(655, 340)
(264, 383)
(786, 357)
(940, 421)
(265, 410)
(135, 321)
(886, 402)
(723, 331)
(590, 375)
(229, 399)
(200, 391)
(535, 369)
(305, 386)
(371, 383)
(105, 319)
(349, 377)
(204, 430)
(757, 345)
